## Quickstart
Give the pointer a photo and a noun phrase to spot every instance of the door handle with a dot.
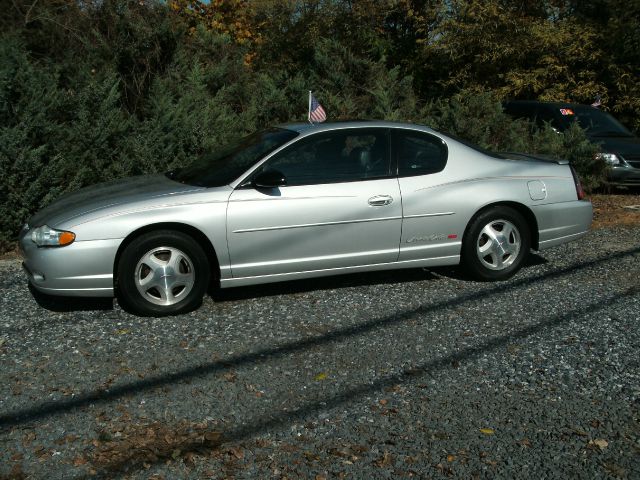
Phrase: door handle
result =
(380, 200)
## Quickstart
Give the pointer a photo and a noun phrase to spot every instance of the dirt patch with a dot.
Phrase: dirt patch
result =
(12, 254)
(129, 445)
(614, 210)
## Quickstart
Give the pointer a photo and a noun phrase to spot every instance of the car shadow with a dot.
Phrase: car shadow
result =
(533, 260)
(70, 304)
(78, 304)
(335, 282)
(457, 272)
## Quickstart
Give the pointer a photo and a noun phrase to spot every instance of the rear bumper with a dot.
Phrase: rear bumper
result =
(83, 269)
(565, 222)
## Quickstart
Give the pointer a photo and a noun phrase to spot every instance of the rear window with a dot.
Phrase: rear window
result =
(419, 153)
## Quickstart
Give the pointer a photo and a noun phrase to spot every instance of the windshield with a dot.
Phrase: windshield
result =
(221, 167)
(598, 123)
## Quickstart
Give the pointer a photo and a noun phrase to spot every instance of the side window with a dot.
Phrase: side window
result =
(546, 115)
(524, 112)
(419, 153)
(337, 156)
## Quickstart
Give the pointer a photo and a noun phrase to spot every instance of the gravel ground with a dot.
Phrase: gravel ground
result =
(407, 373)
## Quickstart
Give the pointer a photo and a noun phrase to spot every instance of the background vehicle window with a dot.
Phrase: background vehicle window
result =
(331, 157)
(420, 154)
(596, 122)
(520, 111)
(539, 114)
(546, 116)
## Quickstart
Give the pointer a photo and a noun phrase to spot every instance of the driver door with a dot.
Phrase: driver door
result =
(341, 208)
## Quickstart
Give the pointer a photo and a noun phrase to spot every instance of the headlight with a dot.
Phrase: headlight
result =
(610, 158)
(45, 236)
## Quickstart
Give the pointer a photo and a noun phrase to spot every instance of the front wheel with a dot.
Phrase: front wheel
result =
(496, 244)
(162, 273)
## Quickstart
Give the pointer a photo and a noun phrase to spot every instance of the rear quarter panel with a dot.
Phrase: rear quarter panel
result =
(437, 208)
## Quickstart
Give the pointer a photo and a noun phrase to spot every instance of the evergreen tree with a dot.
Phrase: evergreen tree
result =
(101, 89)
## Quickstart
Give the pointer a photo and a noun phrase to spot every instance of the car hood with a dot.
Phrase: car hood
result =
(98, 197)
(629, 146)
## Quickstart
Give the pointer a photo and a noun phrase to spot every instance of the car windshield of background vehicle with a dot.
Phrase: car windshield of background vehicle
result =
(599, 124)
(215, 169)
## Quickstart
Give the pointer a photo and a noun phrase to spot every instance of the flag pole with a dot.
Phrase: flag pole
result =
(309, 110)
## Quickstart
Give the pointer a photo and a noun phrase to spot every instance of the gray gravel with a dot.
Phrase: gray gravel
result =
(407, 373)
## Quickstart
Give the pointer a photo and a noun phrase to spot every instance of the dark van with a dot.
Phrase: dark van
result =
(619, 147)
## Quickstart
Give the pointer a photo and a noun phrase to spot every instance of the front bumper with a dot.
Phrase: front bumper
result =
(626, 176)
(84, 268)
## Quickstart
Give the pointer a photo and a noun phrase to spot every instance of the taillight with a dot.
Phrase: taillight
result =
(576, 180)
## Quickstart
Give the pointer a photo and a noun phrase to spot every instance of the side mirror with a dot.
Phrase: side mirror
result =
(270, 179)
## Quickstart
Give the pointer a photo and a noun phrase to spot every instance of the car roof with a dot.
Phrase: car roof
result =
(305, 128)
(548, 104)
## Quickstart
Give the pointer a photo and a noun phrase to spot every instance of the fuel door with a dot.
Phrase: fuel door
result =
(537, 190)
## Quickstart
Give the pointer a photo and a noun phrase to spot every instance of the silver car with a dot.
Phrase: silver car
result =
(301, 201)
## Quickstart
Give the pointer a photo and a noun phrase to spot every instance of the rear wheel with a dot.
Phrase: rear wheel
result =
(162, 273)
(496, 244)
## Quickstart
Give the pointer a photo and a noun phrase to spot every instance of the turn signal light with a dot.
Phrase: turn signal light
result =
(66, 238)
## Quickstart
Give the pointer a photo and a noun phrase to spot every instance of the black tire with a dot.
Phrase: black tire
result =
(504, 256)
(161, 273)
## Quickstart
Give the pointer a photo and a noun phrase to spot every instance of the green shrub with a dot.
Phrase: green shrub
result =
(62, 128)
(479, 118)
(574, 146)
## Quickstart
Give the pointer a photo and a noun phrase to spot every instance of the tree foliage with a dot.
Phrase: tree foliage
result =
(92, 90)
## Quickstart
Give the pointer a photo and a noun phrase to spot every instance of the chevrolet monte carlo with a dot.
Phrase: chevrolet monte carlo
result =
(301, 201)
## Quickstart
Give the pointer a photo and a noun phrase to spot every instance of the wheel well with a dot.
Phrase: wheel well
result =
(523, 210)
(193, 232)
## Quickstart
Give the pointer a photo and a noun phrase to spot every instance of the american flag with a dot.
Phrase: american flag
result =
(316, 112)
